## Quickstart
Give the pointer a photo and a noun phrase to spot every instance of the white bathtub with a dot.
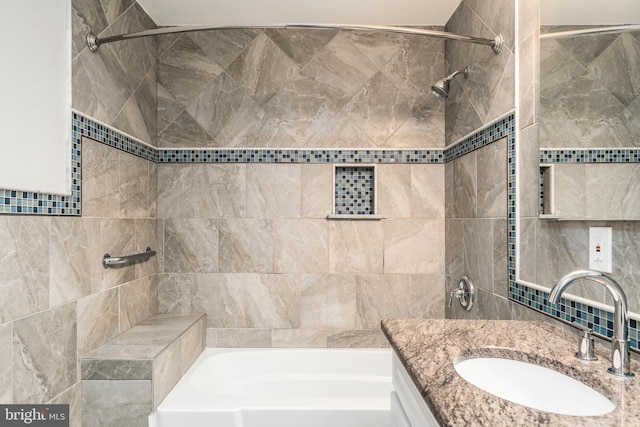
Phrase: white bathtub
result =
(281, 388)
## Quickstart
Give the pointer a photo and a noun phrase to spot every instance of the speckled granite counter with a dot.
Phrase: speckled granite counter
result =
(428, 349)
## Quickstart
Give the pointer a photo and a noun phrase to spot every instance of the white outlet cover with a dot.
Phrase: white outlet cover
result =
(600, 249)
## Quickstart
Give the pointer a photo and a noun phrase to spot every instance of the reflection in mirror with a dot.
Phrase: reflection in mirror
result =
(589, 102)
(589, 119)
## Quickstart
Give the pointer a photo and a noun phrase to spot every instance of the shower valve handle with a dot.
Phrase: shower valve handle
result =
(458, 293)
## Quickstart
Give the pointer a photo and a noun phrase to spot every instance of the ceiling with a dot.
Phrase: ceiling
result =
(372, 12)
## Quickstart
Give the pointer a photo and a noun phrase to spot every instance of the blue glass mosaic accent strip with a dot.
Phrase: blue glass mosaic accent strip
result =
(495, 131)
(354, 190)
(591, 156)
(601, 321)
(104, 134)
(210, 155)
(27, 203)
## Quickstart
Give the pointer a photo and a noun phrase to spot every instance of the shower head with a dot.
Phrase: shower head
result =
(441, 87)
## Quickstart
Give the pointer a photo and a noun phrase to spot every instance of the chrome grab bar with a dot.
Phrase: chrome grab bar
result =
(108, 261)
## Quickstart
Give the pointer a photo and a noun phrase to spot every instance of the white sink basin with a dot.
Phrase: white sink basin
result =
(533, 386)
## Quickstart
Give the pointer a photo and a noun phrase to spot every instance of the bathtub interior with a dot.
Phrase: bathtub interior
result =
(283, 388)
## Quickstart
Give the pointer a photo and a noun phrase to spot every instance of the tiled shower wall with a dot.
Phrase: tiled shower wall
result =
(249, 244)
(57, 300)
(476, 183)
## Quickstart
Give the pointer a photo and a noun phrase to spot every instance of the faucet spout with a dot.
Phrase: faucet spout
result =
(620, 354)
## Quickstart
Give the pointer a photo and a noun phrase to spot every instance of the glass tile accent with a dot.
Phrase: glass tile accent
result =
(27, 203)
(354, 190)
(630, 155)
(240, 155)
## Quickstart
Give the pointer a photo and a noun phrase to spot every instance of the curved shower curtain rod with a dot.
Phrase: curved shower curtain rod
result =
(93, 42)
(587, 31)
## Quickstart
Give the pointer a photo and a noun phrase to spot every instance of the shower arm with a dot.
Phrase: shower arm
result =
(94, 42)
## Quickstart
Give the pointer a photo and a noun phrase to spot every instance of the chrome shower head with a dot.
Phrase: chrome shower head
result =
(441, 87)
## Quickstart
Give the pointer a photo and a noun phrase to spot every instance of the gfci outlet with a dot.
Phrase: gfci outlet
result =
(600, 249)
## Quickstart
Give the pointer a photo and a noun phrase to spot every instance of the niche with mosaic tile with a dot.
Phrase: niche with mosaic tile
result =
(354, 193)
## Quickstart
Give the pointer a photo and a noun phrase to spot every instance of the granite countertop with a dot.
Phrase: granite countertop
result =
(428, 348)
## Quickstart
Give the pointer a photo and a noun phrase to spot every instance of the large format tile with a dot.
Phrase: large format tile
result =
(478, 252)
(75, 259)
(98, 320)
(45, 354)
(24, 262)
(394, 190)
(72, 397)
(167, 370)
(340, 68)
(134, 186)
(223, 46)
(219, 191)
(175, 188)
(301, 246)
(262, 69)
(175, 293)
(116, 403)
(427, 191)
(100, 197)
(317, 191)
(246, 246)
(379, 109)
(356, 247)
(191, 246)
(328, 301)
(397, 296)
(222, 296)
(138, 301)
(464, 186)
(492, 180)
(414, 246)
(273, 191)
(273, 301)
(6, 379)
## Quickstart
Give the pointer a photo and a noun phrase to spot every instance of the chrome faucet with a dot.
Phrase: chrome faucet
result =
(620, 356)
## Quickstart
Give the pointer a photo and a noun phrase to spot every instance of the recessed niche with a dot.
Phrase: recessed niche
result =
(354, 195)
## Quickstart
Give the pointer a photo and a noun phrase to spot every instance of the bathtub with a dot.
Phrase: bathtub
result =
(281, 388)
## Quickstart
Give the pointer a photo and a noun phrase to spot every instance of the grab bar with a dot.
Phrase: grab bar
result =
(109, 261)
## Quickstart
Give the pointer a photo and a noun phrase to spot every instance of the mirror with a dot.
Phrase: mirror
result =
(589, 106)
(35, 107)
(589, 96)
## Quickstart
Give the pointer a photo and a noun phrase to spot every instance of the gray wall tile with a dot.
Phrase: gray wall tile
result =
(6, 378)
(25, 266)
(128, 403)
(45, 354)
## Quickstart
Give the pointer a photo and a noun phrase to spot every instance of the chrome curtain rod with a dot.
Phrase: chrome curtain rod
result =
(589, 31)
(93, 42)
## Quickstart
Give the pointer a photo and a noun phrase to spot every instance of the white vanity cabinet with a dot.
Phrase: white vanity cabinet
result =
(408, 408)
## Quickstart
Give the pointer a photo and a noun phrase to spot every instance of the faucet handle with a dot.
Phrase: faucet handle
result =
(585, 349)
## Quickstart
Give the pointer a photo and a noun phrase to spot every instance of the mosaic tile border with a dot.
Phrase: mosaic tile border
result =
(623, 155)
(20, 202)
(275, 155)
(30, 203)
(600, 321)
(500, 129)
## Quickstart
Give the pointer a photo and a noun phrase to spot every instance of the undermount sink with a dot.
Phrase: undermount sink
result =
(534, 386)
